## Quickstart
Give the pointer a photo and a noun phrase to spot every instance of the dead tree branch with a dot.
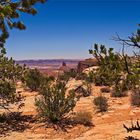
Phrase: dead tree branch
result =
(134, 127)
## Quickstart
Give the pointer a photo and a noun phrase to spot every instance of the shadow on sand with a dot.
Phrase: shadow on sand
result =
(14, 121)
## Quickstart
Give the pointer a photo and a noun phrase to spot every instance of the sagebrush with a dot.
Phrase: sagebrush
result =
(101, 103)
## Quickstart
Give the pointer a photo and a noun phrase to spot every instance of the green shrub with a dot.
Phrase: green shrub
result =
(54, 104)
(87, 82)
(83, 117)
(135, 97)
(7, 90)
(118, 93)
(8, 94)
(67, 75)
(10, 73)
(72, 73)
(81, 76)
(132, 81)
(89, 78)
(101, 103)
(33, 79)
(119, 90)
(105, 77)
(110, 65)
(64, 77)
(118, 70)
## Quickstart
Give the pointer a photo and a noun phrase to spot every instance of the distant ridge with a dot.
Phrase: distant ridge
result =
(48, 63)
(26, 60)
(34, 61)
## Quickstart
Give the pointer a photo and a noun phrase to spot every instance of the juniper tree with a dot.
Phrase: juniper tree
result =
(118, 70)
(109, 65)
(9, 15)
(131, 41)
(133, 77)
(55, 102)
(10, 72)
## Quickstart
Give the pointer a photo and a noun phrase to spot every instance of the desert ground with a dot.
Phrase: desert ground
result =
(106, 126)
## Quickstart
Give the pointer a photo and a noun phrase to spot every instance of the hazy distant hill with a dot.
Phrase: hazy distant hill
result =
(49, 63)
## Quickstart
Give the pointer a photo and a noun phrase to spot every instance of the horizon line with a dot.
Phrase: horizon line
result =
(35, 59)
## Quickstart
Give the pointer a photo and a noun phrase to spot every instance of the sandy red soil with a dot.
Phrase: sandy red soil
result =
(107, 126)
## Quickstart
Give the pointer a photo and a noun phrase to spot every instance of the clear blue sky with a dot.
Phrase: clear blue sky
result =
(68, 28)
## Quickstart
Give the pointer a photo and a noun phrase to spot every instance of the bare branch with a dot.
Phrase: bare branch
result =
(131, 41)
(134, 127)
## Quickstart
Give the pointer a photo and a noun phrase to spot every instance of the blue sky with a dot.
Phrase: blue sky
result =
(68, 28)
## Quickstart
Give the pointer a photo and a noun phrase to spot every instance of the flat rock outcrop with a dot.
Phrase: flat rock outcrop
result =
(86, 64)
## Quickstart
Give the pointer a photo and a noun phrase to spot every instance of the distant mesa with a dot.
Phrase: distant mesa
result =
(64, 64)
(54, 66)
(81, 66)
(64, 67)
(86, 64)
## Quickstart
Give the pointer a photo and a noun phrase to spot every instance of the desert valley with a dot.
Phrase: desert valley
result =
(73, 73)
(104, 125)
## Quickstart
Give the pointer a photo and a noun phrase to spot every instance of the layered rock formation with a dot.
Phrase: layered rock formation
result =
(86, 64)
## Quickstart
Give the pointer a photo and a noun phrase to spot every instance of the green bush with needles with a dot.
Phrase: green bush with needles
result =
(54, 104)
(33, 79)
(135, 97)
